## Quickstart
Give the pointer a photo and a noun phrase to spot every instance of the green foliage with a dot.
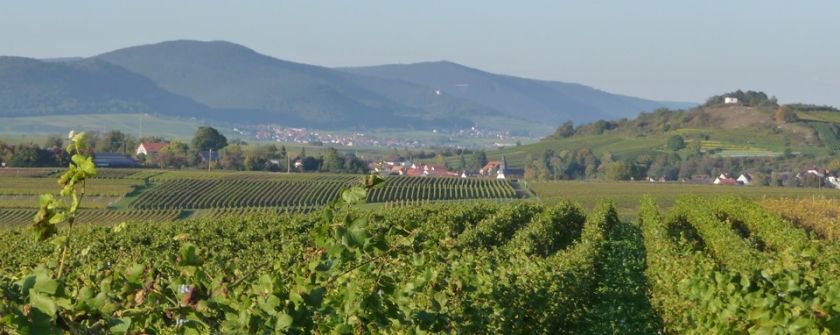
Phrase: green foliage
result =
(208, 138)
(771, 293)
(54, 210)
(617, 171)
(675, 143)
(567, 129)
(748, 98)
(340, 271)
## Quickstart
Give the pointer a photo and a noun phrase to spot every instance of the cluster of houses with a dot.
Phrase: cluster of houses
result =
(747, 179)
(493, 169)
(724, 179)
(408, 168)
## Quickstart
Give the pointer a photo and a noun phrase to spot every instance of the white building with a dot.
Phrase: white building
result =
(833, 181)
(730, 100)
(744, 179)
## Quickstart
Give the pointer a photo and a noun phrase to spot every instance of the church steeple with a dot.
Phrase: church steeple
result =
(503, 165)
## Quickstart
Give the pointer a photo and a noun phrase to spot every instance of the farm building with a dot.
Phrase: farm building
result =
(114, 160)
(723, 179)
(150, 148)
(208, 155)
(730, 100)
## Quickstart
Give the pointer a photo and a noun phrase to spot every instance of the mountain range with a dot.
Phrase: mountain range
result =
(226, 82)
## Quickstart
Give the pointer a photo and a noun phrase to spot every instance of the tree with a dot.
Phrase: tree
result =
(233, 159)
(462, 162)
(208, 138)
(54, 141)
(617, 171)
(440, 160)
(31, 155)
(113, 141)
(675, 143)
(353, 164)
(477, 161)
(696, 147)
(834, 166)
(565, 130)
(332, 161)
(310, 163)
(173, 155)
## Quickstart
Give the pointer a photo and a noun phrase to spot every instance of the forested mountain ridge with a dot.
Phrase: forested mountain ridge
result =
(535, 100)
(225, 82)
(30, 87)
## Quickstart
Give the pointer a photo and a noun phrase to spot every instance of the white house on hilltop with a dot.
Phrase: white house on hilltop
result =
(730, 100)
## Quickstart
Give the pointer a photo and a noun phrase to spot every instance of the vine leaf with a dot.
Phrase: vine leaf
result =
(42, 303)
(120, 326)
(353, 195)
(284, 322)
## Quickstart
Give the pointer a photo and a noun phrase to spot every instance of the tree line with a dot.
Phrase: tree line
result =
(208, 147)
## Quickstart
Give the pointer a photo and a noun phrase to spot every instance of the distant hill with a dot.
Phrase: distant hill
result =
(225, 82)
(30, 87)
(260, 88)
(535, 100)
(721, 130)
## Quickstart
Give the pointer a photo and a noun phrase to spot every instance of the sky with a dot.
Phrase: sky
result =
(683, 50)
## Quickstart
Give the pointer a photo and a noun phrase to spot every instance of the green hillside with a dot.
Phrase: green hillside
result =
(759, 129)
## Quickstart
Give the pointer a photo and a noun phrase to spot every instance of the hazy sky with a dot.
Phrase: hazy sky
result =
(667, 50)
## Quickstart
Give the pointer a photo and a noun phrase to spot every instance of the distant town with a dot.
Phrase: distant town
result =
(451, 138)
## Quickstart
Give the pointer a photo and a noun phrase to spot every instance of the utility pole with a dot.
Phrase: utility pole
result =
(209, 159)
(288, 164)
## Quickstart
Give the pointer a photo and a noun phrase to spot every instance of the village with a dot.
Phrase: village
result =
(451, 138)
(497, 169)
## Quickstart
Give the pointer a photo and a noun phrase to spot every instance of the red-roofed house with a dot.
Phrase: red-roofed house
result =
(490, 168)
(150, 148)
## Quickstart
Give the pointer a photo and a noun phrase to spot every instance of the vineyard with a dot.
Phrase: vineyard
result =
(728, 266)
(423, 188)
(242, 191)
(723, 265)
(267, 253)
(21, 217)
(114, 193)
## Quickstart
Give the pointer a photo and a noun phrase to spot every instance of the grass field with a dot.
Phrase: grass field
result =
(831, 117)
(34, 129)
